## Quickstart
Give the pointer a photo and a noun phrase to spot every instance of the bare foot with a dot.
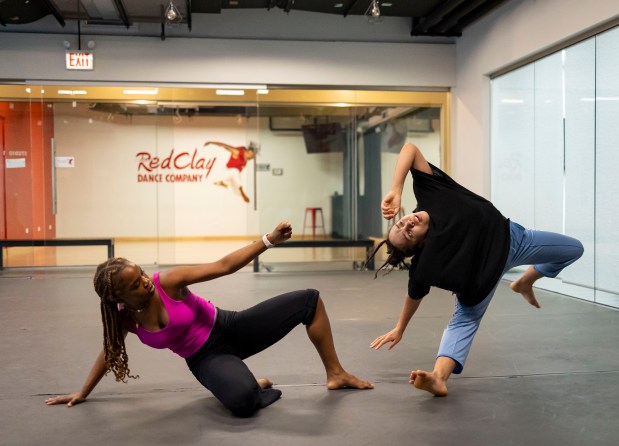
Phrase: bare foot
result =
(265, 383)
(428, 382)
(245, 197)
(345, 380)
(526, 290)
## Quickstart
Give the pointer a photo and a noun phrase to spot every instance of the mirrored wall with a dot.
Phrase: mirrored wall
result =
(185, 175)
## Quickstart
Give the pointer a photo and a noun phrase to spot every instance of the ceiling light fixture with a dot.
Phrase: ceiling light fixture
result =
(172, 14)
(372, 14)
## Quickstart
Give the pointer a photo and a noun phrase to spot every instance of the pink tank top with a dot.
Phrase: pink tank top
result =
(190, 323)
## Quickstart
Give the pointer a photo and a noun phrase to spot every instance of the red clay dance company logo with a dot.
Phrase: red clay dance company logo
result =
(153, 169)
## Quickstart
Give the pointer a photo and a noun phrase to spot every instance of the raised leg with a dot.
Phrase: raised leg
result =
(524, 285)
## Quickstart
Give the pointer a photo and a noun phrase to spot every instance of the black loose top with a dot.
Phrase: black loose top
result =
(467, 243)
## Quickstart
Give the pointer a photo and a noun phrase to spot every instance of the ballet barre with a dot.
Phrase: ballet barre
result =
(368, 244)
(109, 242)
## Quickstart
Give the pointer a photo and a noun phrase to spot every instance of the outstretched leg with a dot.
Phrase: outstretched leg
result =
(524, 285)
(243, 195)
(435, 381)
(454, 348)
(319, 332)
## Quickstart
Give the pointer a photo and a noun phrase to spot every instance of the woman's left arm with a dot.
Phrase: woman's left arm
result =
(179, 277)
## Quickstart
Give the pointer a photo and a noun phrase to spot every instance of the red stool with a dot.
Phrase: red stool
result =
(313, 212)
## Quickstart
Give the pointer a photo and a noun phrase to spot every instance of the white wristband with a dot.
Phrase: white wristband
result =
(266, 241)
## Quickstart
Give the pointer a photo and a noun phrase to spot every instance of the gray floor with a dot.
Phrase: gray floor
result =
(534, 377)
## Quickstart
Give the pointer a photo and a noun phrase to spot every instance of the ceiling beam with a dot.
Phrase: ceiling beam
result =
(54, 10)
(189, 17)
(286, 5)
(459, 14)
(206, 6)
(434, 17)
(349, 7)
(162, 34)
(122, 12)
(475, 15)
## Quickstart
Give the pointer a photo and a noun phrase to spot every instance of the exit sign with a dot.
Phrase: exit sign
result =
(80, 60)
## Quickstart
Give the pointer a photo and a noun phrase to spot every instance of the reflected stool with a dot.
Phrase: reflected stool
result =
(312, 212)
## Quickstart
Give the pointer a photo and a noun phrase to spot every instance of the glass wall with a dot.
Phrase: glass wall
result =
(554, 157)
(185, 175)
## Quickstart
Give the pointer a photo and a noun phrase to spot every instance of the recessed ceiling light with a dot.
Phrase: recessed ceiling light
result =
(151, 92)
(72, 92)
(230, 92)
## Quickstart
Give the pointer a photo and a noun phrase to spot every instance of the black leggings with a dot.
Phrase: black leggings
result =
(219, 366)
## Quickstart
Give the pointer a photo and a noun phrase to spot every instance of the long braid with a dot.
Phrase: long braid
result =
(116, 358)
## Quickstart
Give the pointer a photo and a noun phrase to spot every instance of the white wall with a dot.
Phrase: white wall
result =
(273, 62)
(513, 31)
(517, 30)
(102, 195)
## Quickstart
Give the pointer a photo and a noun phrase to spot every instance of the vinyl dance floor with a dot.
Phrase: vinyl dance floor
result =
(534, 377)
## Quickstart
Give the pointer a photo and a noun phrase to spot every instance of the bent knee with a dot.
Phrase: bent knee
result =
(580, 250)
(243, 404)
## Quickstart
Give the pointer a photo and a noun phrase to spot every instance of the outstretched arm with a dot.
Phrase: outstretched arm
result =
(394, 336)
(97, 372)
(175, 279)
(233, 150)
(410, 157)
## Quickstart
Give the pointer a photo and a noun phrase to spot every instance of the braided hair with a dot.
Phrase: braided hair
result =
(396, 258)
(116, 359)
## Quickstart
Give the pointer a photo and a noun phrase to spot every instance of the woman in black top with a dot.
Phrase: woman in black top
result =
(460, 242)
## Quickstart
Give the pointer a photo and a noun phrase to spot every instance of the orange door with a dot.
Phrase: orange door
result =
(2, 197)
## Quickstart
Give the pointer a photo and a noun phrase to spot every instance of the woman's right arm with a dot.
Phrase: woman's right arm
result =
(410, 157)
(228, 147)
(394, 336)
(97, 371)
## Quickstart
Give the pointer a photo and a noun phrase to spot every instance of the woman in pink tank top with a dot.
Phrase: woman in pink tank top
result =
(164, 313)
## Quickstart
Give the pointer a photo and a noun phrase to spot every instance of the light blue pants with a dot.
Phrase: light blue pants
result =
(548, 252)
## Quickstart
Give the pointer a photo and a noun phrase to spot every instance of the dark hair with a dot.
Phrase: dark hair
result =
(253, 147)
(116, 359)
(395, 257)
